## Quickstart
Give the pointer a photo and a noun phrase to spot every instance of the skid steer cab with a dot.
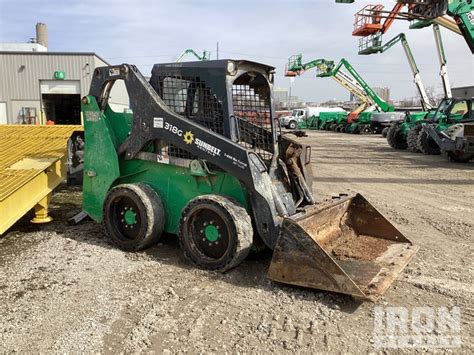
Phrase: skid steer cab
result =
(198, 155)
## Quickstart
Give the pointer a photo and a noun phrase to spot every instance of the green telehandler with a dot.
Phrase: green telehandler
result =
(362, 119)
(450, 112)
(398, 136)
(198, 155)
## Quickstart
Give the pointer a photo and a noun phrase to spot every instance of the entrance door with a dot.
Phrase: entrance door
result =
(61, 101)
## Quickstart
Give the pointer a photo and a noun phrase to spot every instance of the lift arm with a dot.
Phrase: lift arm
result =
(391, 16)
(296, 66)
(430, 10)
(461, 10)
(463, 14)
(377, 47)
(384, 106)
(443, 72)
(205, 55)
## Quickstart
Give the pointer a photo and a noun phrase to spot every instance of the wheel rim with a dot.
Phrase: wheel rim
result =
(209, 232)
(125, 218)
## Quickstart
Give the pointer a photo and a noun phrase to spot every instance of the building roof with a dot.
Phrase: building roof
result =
(463, 87)
(55, 53)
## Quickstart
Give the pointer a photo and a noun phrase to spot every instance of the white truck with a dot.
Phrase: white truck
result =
(300, 114)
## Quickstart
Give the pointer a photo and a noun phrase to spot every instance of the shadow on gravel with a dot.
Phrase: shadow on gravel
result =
(251, 274)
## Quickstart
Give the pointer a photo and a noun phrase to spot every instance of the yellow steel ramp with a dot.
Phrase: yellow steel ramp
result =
(32, 163)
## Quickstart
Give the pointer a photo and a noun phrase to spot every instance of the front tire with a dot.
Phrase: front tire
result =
(426, 144)
(395, 137)
(412, 138)
(215, 233)
(134, 216)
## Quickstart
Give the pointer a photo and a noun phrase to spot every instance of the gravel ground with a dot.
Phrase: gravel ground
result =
(65, 289)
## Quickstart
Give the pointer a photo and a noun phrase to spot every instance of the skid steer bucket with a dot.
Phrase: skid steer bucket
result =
(346, 246)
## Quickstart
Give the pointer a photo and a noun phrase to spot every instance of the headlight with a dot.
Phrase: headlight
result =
(231, 68)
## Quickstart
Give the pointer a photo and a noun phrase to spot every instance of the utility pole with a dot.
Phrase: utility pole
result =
(217, 50)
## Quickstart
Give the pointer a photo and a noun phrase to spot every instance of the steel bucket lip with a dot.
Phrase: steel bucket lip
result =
(326, 204)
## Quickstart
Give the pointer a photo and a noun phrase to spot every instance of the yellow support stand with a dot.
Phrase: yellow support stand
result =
(41, 210)
(32, 164)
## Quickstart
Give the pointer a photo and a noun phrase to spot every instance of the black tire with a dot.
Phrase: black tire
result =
(134, 216)
(395, 137)
(412, 138)
(385, 131)
(365, 129)
(292, 125)
(333, 127)
(375, 129)
(426, 144)
(460, 157)
(356, 129)
(230, 233)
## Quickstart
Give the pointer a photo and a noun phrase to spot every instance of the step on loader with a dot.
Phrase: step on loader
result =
(198, 155)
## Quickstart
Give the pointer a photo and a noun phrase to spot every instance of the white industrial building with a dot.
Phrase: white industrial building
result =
(37, 86)
(464, 91)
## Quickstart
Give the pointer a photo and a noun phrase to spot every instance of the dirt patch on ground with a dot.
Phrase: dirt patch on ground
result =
(66, 289)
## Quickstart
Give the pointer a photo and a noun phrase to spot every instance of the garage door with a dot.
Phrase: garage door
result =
(60, 87)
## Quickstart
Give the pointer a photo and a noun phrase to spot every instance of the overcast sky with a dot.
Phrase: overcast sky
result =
(144, 32)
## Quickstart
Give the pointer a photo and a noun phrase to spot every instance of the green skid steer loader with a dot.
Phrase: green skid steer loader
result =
(198, 155)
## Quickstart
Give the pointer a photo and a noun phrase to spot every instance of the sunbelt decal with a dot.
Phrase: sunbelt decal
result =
(188, 137)
(209, 148)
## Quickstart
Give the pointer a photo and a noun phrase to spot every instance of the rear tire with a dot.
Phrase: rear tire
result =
(354, 129)
(134, 216)
(395, 137)
(215, 233)
(365, 129)
(426, 144)
(412, 138)
(385, 131)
